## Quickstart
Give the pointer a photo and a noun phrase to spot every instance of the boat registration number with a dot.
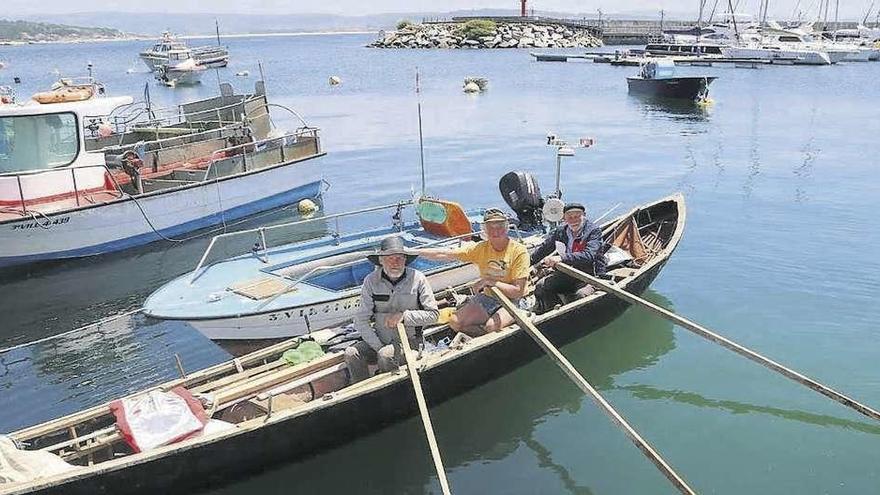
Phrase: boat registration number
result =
(45, 224)
(333, 307)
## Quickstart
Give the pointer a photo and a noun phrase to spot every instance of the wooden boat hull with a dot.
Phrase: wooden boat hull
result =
(686, 88)
(341, 416)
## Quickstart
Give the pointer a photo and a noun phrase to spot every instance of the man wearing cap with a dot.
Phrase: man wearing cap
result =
(392, 293)
(503, 263)
(577, 242)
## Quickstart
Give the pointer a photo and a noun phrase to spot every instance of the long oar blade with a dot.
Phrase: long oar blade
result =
(718, 339)
(423, 409)
(560, 360)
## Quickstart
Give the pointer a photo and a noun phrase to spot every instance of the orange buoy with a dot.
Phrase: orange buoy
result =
(443, 218)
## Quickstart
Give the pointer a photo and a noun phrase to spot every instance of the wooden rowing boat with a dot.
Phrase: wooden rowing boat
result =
(287, 412)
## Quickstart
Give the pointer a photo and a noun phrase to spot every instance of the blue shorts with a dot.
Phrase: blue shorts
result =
(490, 304)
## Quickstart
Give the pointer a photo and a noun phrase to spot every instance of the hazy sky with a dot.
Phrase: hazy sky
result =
(778, 8)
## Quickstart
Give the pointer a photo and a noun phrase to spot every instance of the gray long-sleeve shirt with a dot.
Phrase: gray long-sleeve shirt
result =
(410, 295)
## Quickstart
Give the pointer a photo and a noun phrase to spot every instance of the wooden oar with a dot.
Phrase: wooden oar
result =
(527, 326)
(718, 339)
(423, 408)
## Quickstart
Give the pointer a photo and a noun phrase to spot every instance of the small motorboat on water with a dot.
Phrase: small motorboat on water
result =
(181, 69)
(657, 78)
(293, 399)
(83, 173)
(297, 288)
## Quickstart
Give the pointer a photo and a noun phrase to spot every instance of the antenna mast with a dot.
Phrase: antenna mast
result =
(421, 142)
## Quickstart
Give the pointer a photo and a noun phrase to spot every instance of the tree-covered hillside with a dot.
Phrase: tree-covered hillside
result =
(38, 31)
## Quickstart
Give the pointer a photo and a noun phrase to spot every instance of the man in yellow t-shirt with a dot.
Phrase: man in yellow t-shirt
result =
(503, 263)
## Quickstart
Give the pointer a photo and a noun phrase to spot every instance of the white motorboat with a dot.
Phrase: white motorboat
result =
(777, 54)
(80, 175)
(297, 288)
(181, 69)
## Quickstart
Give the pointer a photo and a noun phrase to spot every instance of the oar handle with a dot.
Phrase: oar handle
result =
(718, 339)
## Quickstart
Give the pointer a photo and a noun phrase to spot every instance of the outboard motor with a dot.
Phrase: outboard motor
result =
(521, 192)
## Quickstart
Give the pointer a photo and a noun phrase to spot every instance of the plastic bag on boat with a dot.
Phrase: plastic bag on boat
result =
(17, 466)
(158, 418)
(306, 351)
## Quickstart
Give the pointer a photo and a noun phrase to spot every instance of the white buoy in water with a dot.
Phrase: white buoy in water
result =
(307, 207)
(335, 80)
(243, 73)
(471, 87)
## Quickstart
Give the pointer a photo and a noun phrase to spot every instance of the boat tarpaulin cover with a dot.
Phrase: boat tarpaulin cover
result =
(158, 418)
(18, 466)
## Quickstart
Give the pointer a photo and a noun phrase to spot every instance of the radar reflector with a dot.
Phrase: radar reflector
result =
(552, 209)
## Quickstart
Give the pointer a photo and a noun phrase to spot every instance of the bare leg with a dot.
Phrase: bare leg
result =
(499, 320)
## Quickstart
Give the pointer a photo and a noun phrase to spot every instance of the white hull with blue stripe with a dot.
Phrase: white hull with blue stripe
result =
(298, 288)
(134, 221)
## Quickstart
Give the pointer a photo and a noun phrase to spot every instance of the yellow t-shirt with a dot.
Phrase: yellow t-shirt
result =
(506, 266)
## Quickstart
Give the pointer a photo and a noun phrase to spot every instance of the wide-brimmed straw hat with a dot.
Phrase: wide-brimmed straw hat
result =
(389, 246)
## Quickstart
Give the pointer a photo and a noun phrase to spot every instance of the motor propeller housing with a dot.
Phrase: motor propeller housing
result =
(521, 192)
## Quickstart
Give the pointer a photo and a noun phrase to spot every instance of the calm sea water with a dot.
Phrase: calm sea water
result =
(780, 253)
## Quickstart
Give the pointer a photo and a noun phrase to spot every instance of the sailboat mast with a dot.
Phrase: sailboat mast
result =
(700, 19)
(217, 28)
(733, 18)
(867, 13)
(765, 5)
(712, 14)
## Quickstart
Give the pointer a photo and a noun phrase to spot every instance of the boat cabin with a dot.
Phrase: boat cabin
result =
(657, 69)
(43, 151)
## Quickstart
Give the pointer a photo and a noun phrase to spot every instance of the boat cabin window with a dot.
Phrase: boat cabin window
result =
(35, 142)
(789, 39)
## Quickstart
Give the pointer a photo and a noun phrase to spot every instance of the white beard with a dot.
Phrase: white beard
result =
(394, 273)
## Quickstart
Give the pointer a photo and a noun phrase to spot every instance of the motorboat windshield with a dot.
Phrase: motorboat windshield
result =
(36, 142)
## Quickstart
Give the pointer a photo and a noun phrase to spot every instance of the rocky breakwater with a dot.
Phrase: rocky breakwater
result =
(486, 34)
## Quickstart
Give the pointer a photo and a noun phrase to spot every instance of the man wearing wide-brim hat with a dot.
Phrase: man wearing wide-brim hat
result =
(503, 263)
(576, 242)
(392, 293)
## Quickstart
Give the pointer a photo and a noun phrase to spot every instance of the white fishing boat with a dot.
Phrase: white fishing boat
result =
(86, 175)
(207, 56)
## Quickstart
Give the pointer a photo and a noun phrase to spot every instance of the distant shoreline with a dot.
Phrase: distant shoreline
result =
(254, 35)
(13, 43)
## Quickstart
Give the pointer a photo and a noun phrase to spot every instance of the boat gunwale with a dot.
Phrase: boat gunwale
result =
(128, 197)
(430, 362)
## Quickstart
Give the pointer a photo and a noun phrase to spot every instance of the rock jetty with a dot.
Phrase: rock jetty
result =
(486, 34)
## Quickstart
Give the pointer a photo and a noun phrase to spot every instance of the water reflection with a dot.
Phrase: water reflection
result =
(490, 423)
(87, 289)
(810, 151)
(647, 392)
(673, 109)
(98, 363)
